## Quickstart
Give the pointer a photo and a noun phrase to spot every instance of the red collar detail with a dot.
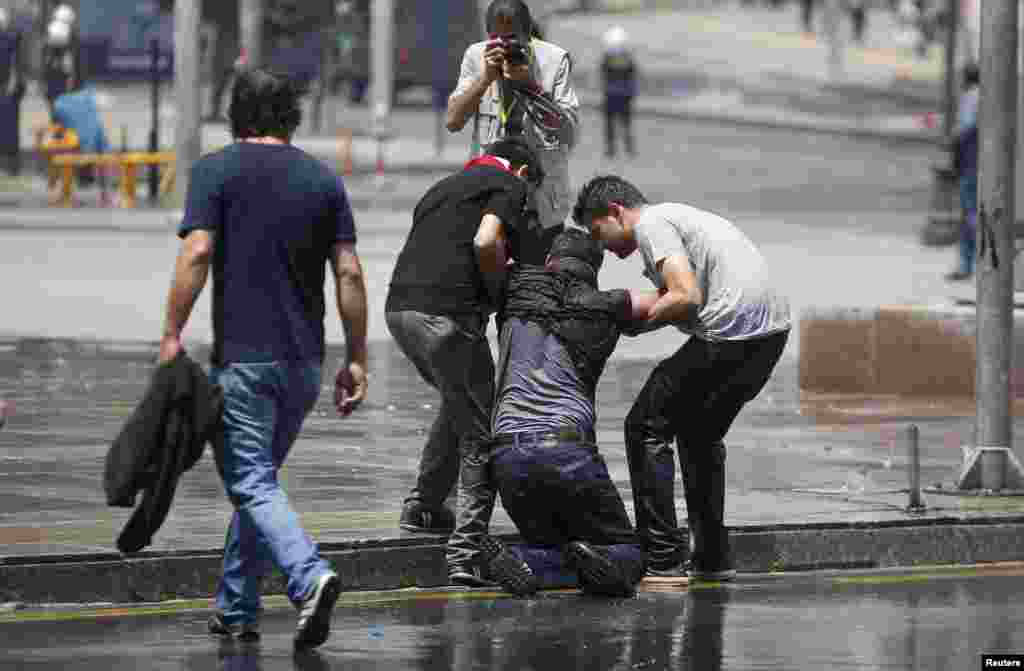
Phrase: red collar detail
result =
(487, 159)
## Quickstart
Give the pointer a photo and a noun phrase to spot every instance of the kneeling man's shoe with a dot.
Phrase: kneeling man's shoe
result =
(599, 574)
(467, 575)
(511, 572)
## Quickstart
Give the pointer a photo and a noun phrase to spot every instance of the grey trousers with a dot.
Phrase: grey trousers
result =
(452, 355)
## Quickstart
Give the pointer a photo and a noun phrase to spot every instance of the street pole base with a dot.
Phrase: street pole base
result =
(990, 468)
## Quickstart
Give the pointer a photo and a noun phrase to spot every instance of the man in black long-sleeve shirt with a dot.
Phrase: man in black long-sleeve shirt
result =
(447, 279)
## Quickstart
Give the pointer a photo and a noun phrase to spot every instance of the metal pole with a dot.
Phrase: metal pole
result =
(188, 135)
(250, 20)
(382, 75)
(997, 125)
(154, 128)
(914, 468)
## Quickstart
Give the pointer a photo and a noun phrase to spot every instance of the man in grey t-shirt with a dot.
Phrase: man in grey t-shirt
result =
(717, 289)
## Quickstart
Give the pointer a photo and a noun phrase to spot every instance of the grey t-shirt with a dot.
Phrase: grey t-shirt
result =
(541, 389)
(741, 301)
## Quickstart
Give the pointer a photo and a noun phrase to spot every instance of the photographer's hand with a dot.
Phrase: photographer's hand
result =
(494, 59)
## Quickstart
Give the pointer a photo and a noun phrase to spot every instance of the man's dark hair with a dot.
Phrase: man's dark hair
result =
(264, 103)
(518, 151)
(514, 10)
(598, 194)
(971, 74)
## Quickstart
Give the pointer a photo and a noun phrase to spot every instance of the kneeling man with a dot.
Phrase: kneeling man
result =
(557, 333)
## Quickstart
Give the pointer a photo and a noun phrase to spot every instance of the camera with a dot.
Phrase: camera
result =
(515, 49)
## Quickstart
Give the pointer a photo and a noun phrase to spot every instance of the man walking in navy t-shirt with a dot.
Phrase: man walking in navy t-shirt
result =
(267, 218)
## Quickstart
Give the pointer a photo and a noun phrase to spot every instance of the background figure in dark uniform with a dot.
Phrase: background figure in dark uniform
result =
(807, 15)
(618, 72)
(557, 335)
(12, 89)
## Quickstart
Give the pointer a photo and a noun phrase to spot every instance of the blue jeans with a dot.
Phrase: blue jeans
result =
(558, 491)
(969, 227)
(264, 407)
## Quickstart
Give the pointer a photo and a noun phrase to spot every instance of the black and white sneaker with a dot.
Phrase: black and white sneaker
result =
(599, 575)
(512, 573)
(469, 576)
(314, 623)
(418, 518)
(245, 631)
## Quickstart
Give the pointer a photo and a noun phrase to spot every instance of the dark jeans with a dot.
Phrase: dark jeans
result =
(969, 224)
(558, 491)
(452, 355)
(618, 110)
(692, 397)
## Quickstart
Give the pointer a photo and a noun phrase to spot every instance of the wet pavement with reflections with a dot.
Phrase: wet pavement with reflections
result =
(791, 458)
(938, 622)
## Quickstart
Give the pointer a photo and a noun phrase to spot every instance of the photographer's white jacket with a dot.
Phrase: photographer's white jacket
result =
(550, 67)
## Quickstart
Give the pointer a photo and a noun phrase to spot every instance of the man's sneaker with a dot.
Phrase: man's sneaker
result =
(511, 572)
(246, 631)
(598, 573)
(721, 573)
(421, 519)
(315, 612)
(671, 575)
(469, 576)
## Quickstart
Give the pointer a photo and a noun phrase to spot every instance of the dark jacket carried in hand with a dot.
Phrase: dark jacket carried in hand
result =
(163, 438)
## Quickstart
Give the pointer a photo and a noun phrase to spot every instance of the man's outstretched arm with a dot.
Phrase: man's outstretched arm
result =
(190, 272)
(682, 300)
(350, 297)
(641, 305)
(489, 245)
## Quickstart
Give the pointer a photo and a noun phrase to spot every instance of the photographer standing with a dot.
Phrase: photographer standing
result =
(517, 84)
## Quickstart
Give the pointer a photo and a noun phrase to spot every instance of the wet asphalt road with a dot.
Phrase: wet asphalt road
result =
(936, 622)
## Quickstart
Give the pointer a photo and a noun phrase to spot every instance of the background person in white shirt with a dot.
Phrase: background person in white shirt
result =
(483, 93)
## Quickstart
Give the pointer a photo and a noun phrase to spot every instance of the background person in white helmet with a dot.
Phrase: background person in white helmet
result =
(619, 78)
(60, 53)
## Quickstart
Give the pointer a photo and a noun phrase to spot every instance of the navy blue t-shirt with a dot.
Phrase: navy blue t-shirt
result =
(276, 213)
